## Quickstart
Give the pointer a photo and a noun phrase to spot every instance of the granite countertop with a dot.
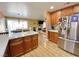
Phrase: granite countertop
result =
(21, 34)
(53, 31)
(4, 39)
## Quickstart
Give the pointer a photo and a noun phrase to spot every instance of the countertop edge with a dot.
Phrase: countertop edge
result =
(53, 31)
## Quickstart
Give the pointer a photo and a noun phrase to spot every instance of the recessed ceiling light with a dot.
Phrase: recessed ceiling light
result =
(51, 7)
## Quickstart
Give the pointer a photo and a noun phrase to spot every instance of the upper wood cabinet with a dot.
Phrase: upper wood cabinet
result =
(48, 19)
(76, 8)
(58, 16)
(67, 11)
(52, 18)
(55, 17)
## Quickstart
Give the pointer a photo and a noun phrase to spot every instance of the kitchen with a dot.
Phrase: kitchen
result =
(33, 36)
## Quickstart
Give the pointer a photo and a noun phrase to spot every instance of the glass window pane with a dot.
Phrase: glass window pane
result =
(15, 24)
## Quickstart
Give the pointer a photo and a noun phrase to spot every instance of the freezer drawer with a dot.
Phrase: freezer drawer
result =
(76, 50)
(69, 46)
(61, 43)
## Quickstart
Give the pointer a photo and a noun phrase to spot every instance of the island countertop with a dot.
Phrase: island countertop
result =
(4, 39)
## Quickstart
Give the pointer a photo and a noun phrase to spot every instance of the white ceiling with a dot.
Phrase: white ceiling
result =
(34, 10)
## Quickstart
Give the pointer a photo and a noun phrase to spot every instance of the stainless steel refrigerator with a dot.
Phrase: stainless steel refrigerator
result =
(69, 34)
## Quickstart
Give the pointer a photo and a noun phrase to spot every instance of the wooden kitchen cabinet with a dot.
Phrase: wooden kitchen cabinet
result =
(55, 17)
(76, 9)
(67, 11)
(53, 37)
(30, 42)
(49, 37)
(27, 41)
(22, 45)
(58, 16)
(34, 41)
(16, 47)
(48, 19)
(52, 18)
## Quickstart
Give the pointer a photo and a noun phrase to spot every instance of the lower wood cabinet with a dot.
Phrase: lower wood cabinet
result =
(34, 41)
(27, 43)
(16, 47)
(49, 36)
(20, 46)
(53, 37)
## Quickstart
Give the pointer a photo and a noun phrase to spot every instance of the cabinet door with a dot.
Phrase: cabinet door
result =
(76, 8)
(67, 11)
(51, 36)
(34, 41)
(16, 47)
(52, 18)
(48, 19)
(27, 43)
(55, 17)
(48, 35)
(55, 37)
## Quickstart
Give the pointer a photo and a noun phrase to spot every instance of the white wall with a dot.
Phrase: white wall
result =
(2, 25)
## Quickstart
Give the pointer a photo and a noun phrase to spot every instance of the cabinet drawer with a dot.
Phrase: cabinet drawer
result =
(35, 36)
(16, 41)
(27, 38)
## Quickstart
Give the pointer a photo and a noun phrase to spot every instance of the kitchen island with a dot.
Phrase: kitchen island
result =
(11, 43)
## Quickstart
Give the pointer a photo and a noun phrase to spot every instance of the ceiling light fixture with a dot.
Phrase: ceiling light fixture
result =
(51, 7)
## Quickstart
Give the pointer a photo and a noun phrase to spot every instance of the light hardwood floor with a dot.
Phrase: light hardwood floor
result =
(47, 49)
